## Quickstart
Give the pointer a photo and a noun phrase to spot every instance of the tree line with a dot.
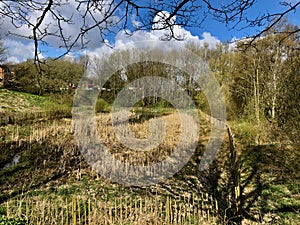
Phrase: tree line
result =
(259, 79)
(58, 75)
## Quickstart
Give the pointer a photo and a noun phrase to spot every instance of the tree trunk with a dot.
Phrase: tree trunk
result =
(274, 96)
(256, 96)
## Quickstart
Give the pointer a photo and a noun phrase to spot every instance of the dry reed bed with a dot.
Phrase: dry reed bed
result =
(156, 209)
(122, 162)
(171, 135)
(81, 210)
(37, 132)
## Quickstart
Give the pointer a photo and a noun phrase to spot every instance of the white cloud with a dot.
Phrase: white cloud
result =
(152, 39)
(122, 40)
(69, 57)
(135, 22)
(160, 20)
(210, 40)
(19, 51)
(23, 50)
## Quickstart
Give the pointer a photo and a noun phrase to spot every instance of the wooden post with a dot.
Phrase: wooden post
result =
(74, 211)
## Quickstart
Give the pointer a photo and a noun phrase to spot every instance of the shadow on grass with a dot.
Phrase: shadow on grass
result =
(269, 186)
(40, 163)
(267, 180)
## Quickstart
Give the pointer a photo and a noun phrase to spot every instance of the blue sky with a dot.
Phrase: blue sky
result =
(223, 33)
(211, 31)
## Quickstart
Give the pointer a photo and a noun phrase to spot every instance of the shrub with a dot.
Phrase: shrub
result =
(101, 106)
(245, 132)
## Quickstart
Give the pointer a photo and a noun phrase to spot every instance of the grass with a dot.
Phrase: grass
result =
(19, 108)
(272, 182)
(14, 101)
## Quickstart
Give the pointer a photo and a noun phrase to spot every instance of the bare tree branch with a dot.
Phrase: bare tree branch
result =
(110, 16)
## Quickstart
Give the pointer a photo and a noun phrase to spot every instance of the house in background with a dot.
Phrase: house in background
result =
(6, 75)
(1, 76)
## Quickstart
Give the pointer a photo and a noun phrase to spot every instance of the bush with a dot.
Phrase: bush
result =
(245, 132)
(101, 106)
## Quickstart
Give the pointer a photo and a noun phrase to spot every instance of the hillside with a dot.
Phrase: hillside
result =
(13, 102)
(19, 107)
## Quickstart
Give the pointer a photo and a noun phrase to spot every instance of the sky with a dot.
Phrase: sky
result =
(224, 33)
(211, 32)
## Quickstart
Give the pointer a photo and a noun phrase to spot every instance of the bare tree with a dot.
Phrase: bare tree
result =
(3, 52)
(47, 20)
